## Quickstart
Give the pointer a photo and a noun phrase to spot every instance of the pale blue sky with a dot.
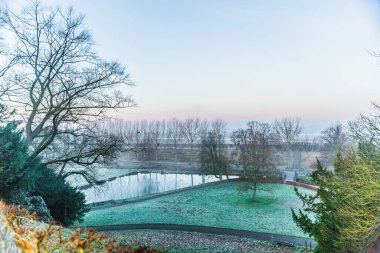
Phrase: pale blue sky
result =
(242, 60)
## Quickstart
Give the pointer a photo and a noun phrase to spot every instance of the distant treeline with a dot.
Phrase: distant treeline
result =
(181, 139)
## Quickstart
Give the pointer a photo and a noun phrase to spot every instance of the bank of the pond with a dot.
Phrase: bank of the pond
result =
(220, 205)
(145, 183)
(121, 202)
(111, 175)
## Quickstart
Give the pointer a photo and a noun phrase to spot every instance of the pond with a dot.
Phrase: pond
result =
(142, 184)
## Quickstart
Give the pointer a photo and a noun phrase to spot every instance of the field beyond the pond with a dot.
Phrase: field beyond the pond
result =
(220, 205)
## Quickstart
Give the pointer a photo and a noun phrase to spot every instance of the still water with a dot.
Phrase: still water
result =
(141, 184)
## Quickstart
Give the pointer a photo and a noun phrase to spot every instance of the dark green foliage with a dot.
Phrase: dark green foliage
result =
(369, 152)
(66, 203)
(324, 228)
(23, 180)
(346, 207)
(3, 111)
(17, 173)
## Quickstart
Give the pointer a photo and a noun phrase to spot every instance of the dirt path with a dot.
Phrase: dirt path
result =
(212, 230)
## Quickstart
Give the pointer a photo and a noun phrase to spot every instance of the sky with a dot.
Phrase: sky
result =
(241, 60)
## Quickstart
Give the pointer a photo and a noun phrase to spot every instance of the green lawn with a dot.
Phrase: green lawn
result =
(218, 206)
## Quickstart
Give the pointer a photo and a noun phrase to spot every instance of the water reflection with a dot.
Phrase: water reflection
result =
(143, 184)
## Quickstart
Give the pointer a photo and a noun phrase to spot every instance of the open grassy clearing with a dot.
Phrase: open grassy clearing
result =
(219, 205)
(181, 242)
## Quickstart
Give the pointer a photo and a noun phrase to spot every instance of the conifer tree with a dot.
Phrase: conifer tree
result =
(15, 174)
(358, 203)
(344, 213)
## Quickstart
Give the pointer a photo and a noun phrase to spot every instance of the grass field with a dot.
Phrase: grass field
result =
(219, 205)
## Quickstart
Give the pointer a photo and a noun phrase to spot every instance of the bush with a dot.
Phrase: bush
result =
(32, 184)
(37, 205)
(17, 172)
(66, 203)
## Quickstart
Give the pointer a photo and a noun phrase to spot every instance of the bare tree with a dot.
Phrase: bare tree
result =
(162, 139)
(192, 130)
(256, 144)
(174, 134)
(366, 128)
(128, 133)
(335, 137)
(155, 132)
(260, 152)
(240, 140)
(213, 155)
(287, 131)
(61, 87)
(144, 141)
(204, 129)
(218, 127)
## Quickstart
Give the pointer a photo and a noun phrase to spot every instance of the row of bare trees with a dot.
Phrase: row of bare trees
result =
(146, 137)
(191, 130)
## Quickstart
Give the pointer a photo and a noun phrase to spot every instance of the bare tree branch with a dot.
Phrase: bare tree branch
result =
(61, 86)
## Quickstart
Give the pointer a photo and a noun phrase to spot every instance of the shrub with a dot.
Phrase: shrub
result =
(21, 178)
(17, 174)
(66, 203)
(37, 205)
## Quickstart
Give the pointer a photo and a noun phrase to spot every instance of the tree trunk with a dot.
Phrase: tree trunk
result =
(156, 183)
(191, 153)
(245, 167)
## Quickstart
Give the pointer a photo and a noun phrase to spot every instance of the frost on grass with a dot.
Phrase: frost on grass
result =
(218, 206)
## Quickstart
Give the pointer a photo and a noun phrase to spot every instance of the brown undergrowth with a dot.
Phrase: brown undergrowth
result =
(31, 235)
